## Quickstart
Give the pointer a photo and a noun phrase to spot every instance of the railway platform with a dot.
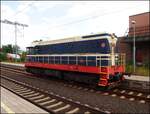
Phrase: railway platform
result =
(138, 78)
(137, 82)
(15, 64)
(11, 103)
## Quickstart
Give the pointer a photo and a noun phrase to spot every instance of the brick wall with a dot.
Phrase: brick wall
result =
(141, 19)
(142, 31)
(124, 47)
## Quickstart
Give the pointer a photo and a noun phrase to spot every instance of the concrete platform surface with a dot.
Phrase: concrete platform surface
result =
(138, 82)
(138, 78)
(11, 103)
(20, 64)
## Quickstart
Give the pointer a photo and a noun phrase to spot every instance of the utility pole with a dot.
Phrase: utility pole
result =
(15, 24)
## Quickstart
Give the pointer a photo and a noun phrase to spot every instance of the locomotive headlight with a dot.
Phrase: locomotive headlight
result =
(103, 45)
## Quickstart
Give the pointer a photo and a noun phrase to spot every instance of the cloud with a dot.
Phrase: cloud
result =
(47, 27)
(43, 6)
(103, 16)
(6, 12)
(24, 7)
(7, 34)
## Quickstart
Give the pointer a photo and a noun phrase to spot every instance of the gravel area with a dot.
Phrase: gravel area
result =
(104, 102)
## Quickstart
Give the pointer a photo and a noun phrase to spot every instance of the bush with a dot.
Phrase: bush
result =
(140, 70)
(3, 56)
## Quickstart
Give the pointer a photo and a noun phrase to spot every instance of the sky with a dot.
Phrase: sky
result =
(50, 20)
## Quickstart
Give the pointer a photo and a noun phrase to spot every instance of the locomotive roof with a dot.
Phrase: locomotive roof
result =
(73, 39)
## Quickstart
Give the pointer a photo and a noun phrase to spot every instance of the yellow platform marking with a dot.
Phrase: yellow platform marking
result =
(7, 109)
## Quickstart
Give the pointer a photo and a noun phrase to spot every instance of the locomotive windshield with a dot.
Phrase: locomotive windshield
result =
(30, 50)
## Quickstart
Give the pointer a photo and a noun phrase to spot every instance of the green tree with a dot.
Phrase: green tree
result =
(7, 48)
(10, 48)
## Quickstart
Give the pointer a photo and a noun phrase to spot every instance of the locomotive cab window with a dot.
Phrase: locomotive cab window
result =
(30, 50)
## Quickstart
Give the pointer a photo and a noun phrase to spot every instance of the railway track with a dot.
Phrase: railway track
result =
(131, 95)
(48, 101)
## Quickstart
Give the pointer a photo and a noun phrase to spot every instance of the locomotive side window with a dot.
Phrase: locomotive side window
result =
(29, 59)
(30, 50)
(40, 59)
(36, 59)
(57, 60)
(64, 59)
(51, 59)
(72, 60)
(91, 60)
(45, 59)
(82, 61)
(33, 59)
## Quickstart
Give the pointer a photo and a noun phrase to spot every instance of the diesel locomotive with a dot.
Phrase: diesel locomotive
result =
(90, 59)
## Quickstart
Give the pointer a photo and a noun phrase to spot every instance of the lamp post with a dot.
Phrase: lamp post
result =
(134, 22)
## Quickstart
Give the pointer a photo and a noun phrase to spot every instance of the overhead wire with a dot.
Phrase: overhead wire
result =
(72, 22)
(88, 18)
(20, 11)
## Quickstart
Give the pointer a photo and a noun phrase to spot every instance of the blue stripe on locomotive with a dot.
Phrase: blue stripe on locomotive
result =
(88, 46)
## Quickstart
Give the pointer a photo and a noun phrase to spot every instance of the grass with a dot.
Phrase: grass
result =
(140, 70)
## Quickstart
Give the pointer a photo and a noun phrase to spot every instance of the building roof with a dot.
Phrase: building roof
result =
(144, 38)
(139, 14)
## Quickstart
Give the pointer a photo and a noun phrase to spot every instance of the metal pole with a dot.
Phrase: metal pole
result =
(134, 51)
(15, 42)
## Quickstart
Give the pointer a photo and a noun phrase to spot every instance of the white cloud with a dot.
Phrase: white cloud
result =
(43, 6)
(6, 12)
(7, 34)
(24, 7)
(111, 19)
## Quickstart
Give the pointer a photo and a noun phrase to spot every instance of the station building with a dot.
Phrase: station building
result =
(139, 26)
